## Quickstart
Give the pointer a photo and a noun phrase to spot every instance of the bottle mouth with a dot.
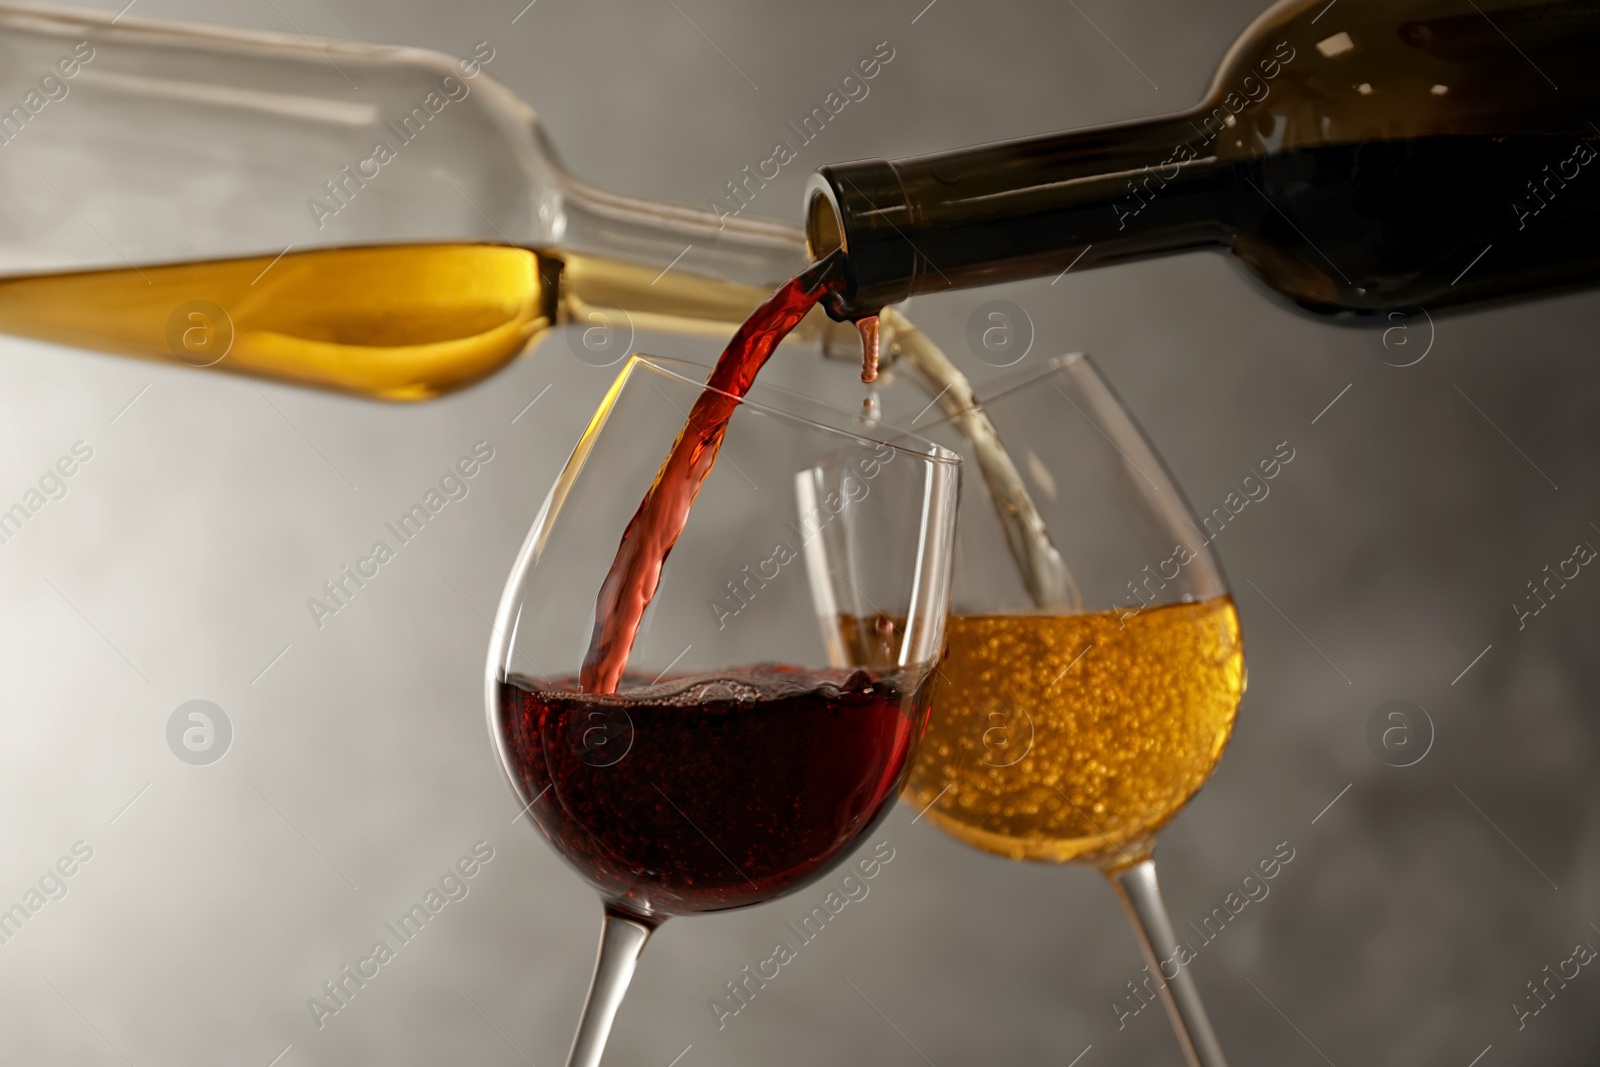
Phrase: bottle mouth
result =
(824, 229)
(853, 207)
(825, 235)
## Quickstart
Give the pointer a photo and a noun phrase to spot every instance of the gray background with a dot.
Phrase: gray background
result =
(178, 565)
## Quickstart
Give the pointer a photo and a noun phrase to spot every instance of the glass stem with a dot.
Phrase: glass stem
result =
(1136, 887)
(622, 938)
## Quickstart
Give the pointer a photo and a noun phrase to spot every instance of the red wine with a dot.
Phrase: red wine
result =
(655, 527)
(1434, 221)
(715, 791)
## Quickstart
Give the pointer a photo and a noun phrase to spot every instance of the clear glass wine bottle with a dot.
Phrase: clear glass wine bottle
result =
(382, 220)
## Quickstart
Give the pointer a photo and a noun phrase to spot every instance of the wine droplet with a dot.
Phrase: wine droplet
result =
(871, 406)
(868, 326)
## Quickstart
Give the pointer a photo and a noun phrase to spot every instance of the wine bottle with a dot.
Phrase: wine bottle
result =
(1359, 157)
(229, 198)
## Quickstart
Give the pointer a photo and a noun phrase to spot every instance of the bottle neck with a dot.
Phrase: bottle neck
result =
(1017, 209)
(746, 251)
(674, 267)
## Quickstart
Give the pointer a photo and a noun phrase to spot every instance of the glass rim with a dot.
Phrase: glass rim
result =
(1013, 383)
(924, 449)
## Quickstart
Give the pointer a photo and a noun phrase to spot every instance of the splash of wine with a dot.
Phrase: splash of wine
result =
(654, 528)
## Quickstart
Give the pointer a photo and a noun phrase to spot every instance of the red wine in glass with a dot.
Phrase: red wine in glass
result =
(732, 783)
(729, 789)
(705, 793)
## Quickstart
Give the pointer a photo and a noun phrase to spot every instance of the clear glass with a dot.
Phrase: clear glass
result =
(1075, 735)
(231, 199)
(780, 680)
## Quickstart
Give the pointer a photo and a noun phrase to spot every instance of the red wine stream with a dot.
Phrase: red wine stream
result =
(654, 528)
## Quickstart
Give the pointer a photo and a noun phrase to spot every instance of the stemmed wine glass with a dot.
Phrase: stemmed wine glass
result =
(755, 736)
(1072, 732)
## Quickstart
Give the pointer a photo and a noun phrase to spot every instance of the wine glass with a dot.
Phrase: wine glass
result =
(1073, 731)
(754, 737)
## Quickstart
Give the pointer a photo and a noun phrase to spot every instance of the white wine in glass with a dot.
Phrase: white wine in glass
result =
(1075, 736)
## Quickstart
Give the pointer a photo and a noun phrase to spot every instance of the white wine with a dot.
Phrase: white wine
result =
(396, 322)
(1036, 750)
(1039, 564)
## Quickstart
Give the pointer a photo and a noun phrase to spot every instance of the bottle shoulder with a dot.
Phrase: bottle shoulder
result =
(1309, 73)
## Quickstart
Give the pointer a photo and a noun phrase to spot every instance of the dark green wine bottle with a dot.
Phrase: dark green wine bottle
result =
(1358, 157)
